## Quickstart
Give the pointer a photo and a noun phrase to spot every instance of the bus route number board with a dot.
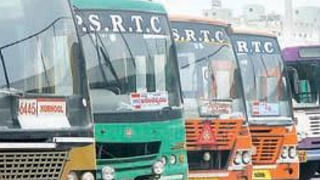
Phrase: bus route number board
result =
(42, 113)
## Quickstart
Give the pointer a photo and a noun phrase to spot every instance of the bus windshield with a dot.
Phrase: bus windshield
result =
(304, 81)
(39, 53)
(209, 73)
(130, 69)
(265, 86)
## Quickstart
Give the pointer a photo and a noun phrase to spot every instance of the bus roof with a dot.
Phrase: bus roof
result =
(246, 31)
(194, 19)
(292, 54)
(126, 5)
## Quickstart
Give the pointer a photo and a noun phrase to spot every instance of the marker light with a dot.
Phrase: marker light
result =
(87, 176)
(292, 152)
(108, 173)
(172, 159)
(158, 167)
(72, 176)
(237, 159)
(246, 157)
(206, 156)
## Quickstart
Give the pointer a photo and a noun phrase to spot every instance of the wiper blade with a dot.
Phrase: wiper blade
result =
(4, 69)
(271, 122)
(35, 34)
(109, 65)
(106, 58)
(12, 92)
(221, 100)
(22, 40)
(129, 49)
(206, 57)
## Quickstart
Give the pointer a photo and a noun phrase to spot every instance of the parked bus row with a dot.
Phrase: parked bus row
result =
(118, 90)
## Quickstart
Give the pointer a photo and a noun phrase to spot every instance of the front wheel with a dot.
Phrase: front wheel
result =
(307, 170)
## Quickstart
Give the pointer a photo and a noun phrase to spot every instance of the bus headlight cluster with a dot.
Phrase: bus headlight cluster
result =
(84, 176)
(72, 176)
(242, 158)
(158, 167)
(288, 152)
(207, 156)
(87, 176)
(108, 173)
(172, 159)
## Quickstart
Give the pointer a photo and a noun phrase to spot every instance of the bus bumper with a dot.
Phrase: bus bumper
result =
(283, 171)
(245, 174)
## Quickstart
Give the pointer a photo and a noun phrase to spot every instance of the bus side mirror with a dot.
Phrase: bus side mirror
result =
(294, 80)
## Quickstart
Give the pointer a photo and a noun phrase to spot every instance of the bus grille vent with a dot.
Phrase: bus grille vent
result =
(32, 165)
(314, 123)
(267, 149)
(224, 132)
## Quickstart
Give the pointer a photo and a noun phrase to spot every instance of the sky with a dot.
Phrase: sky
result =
(195, 7)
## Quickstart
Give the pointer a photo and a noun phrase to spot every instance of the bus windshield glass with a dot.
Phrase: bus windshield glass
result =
(303, 73)
(130, 61)
(39, 67)
(209, 73)
(265, 85)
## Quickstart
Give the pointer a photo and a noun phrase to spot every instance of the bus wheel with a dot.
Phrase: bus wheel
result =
(307, 170)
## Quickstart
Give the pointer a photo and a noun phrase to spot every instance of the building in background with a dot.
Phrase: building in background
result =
(217, 11)
(296, 26)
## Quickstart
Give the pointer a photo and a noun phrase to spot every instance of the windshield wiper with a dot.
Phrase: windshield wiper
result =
(206, 57)
(106, 58)
(22, 40)
(35, 34)
(44, 67)
(4, 69)
(129, 49)
(103, 51)
(271, 123)
(12, 92)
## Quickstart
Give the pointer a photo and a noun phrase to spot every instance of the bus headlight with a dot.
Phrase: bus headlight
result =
(246, 157)
(107, 173)
(206, 156)
(164, 160)
(284, 153)
(87, 176)
(172, 159)
(158, 167)
(237, 159)
(72, 176)
(292, 152)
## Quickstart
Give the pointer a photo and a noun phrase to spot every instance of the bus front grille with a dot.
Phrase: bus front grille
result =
(267, 149)
(314, 123)
(32, 165)
(225, 133)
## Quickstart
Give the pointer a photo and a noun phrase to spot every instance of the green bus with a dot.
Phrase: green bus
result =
(134, 89)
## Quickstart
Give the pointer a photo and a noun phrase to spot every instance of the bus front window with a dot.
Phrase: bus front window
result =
(39, 53)
(265, 86)
(130, 71)
(209, 78)
(303, 77)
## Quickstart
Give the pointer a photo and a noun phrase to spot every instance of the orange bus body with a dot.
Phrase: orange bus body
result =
(230, 134)
(269, 140)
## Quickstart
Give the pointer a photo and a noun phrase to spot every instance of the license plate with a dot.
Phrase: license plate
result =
(261, 174)
(302, 156)
(203, 178)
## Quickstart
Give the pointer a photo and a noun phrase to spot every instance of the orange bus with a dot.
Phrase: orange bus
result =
(217, 134)
(268, 103)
